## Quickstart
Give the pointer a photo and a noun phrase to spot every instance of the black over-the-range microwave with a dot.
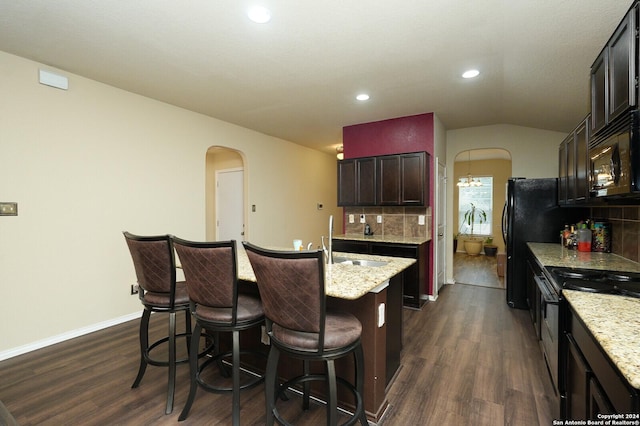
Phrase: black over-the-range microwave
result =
(615, 158)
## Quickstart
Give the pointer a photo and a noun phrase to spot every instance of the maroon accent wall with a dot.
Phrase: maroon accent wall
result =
(395, 136)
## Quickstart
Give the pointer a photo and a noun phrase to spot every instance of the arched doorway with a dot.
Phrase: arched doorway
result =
(225, 194)
(479, 177)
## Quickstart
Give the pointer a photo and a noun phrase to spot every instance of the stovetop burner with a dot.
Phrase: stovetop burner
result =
(589, 286)
(629, 289)
(622, 276)
(576, 273)
(596, 281)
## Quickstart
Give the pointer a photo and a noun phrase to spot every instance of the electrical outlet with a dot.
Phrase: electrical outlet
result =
(352, 218)
(379, 218)
(362, 219)
(134, 289)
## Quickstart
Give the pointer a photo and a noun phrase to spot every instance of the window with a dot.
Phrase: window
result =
(482, 198)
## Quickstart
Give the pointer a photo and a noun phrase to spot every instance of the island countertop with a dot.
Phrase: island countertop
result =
(613, 321)
(551, 254)
(382, 238)
(344, 281)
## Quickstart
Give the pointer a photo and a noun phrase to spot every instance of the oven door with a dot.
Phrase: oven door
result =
(549, 326)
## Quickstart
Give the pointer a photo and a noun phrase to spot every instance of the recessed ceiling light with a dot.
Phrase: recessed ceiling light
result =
(259, 14)
(362, 97)
(470, 74)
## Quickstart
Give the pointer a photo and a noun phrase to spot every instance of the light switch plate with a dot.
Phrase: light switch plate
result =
(379, 218)
(421, 219)
(8, 209)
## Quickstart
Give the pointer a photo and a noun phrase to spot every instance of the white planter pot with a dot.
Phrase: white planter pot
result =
(473, 246)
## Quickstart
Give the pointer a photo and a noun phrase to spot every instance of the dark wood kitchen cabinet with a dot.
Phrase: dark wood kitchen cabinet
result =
(614, 74)
(562, 173)
(357, 182)
(403, 179)
(389, 180)
(573, 170)
(577, 373)
(593, 385)
(414, 277)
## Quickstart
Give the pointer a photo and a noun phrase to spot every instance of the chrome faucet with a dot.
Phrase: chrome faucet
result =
(328, 252)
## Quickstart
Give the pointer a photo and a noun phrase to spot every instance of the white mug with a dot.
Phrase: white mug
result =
(297, 245)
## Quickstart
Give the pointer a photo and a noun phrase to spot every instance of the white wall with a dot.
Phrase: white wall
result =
(87, 163)
(534, 154)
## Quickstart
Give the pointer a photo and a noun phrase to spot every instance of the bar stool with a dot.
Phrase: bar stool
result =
(292, 290)
(155, 266)
(210, 269)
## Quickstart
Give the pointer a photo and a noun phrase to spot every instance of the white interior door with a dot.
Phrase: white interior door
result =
(440, 219)
(230, 205)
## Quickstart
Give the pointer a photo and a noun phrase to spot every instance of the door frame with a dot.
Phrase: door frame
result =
(440, 249)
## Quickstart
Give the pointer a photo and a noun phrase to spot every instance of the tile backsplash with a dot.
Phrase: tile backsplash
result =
(625, 229)
(396, 221)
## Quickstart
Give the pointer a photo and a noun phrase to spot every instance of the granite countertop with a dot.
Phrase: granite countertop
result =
(614, 322)
(551, 254)
(382, 238)
(344, 281)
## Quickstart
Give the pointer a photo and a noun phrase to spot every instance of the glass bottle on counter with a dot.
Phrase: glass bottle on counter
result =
(566, 235)
(572, 240)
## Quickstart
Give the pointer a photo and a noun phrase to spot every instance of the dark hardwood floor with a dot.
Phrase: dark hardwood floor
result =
(468, 359)
(476, 270)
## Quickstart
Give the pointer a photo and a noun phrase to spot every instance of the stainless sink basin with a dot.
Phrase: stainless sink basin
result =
(359, 262)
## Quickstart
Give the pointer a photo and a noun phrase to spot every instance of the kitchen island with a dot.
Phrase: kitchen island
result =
(374, 295)
(415, 277)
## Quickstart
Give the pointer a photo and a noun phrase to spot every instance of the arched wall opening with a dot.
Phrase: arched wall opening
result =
(493, 162)
(219, 158)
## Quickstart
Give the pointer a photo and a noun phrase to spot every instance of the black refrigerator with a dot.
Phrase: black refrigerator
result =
(531, 214)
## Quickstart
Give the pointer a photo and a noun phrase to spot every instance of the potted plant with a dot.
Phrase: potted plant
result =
(489, 248)
(455, 242)
(475, 215)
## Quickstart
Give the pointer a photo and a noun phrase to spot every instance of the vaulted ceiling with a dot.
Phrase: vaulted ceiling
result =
(297, 76)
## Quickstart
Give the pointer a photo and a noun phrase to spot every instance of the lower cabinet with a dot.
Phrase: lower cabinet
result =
(414, 277)
(593, 384)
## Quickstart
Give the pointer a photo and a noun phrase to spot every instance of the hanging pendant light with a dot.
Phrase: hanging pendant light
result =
(469, 180)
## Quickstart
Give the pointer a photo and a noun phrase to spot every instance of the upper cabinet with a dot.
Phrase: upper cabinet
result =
(614, 76)
(402, 179)
(573, 171)
(357, 182)
(389, 180)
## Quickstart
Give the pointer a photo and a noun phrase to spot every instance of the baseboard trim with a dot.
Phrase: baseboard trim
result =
(66, 336)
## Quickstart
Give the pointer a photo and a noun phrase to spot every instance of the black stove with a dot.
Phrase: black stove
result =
(595, 281)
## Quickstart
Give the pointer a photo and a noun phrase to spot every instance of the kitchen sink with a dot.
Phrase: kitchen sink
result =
(359, 262)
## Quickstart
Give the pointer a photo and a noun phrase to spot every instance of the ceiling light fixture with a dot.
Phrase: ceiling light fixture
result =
(362, 97)
(340, 152)
(469, 180)
(259, 14)
(470, 74)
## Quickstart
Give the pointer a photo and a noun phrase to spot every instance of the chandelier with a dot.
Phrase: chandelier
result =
(469, 180)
